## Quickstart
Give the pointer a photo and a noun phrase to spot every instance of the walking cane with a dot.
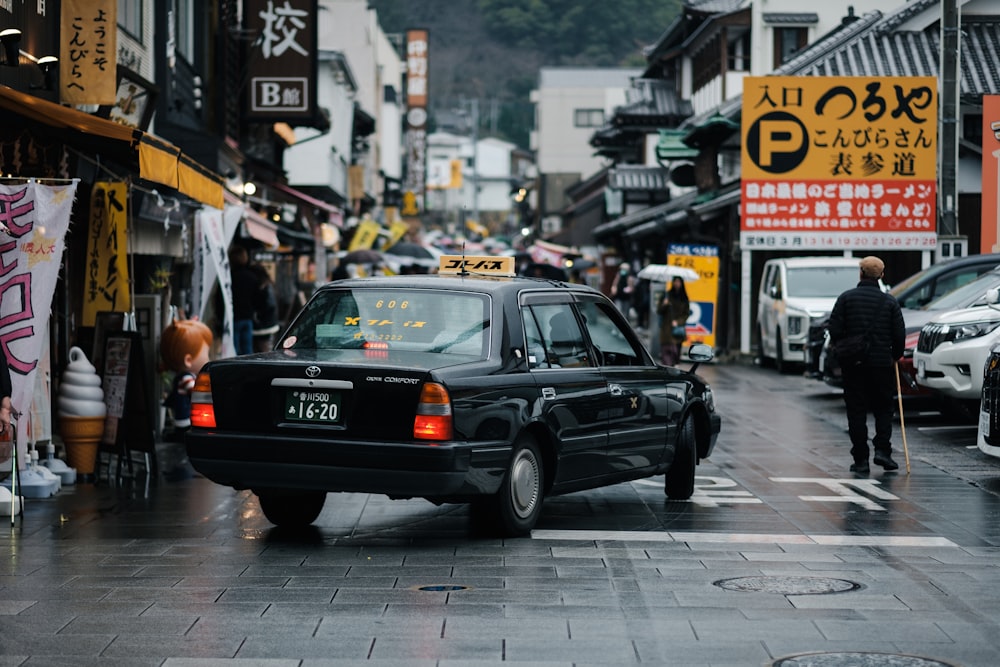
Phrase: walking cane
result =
(902, 422)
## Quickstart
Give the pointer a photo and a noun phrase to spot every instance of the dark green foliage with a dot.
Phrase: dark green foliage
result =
(492, 49)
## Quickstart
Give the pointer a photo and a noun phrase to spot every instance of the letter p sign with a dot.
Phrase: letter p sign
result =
(777, 142)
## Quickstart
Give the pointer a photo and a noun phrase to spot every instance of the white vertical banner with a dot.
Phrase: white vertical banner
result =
(33, 223)
(213, 231)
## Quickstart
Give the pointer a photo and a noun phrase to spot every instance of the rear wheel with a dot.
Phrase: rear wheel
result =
(291, 508)
(679, 482)
(515, 508)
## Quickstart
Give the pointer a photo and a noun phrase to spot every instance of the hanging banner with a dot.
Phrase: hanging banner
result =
(106, 285)
(88, 56)
(213, 232)
(33, 223)
(365, 235)
(834, 163)
(417, 71)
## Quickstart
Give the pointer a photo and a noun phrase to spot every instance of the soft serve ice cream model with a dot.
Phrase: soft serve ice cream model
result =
(81, 411)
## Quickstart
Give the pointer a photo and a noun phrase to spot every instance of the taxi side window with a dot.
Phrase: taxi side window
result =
(613, 347)
(533, 338)
(562, 339)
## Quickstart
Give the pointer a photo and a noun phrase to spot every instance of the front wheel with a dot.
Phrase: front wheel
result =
(293, 509)
(515, 508)
(679, 482)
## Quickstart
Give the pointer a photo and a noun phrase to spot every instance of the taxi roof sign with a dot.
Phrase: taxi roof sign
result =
(478, 264)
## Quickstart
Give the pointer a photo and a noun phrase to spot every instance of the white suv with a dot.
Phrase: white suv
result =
(953, 348)
(794, 292)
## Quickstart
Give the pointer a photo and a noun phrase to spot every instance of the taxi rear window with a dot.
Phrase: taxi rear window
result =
(413, 320)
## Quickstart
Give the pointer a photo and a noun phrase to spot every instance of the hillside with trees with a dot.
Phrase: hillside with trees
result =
(491, 50)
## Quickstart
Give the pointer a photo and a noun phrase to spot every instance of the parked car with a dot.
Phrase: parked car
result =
(794, 292)
(953, 348)
(988, 432)
(456, 388)
(935, 281)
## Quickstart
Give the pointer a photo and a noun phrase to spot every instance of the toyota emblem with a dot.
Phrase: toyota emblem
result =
(312, 371)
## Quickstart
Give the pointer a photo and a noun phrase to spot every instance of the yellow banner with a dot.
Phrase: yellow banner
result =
(365, 235)
(703, 293)
(106, 286)
(88, 55)
(840, 128)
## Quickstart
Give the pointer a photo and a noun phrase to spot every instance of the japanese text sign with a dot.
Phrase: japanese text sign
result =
(282, 68)
(33, 223)
(88, 57)
(417, 72)
(106, 284)
(839, 162)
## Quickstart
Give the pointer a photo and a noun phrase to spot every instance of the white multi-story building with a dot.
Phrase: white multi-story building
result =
(570, 104)
(362, 79)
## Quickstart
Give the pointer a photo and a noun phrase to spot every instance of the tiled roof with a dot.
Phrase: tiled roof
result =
(652, 99)
(796, 18)
(637, 177)
(874, 46)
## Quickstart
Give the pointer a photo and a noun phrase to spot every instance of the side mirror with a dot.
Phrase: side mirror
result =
(701, 352)
(992, 295)
(698, 353)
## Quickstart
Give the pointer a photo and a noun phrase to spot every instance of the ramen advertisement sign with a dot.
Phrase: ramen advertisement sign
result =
(834, 163)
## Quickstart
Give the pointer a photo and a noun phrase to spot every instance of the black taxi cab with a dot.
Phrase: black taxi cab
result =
(467, 386)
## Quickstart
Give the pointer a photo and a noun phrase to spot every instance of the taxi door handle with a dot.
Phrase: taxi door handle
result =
(615, 389)
(548, 393)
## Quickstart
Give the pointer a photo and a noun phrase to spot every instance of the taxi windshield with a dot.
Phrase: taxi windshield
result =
(416, 320)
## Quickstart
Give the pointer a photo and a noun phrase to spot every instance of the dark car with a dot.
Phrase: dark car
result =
(494, 391)
(916, 296)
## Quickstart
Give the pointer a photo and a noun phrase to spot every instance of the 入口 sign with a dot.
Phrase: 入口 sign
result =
(839, 162)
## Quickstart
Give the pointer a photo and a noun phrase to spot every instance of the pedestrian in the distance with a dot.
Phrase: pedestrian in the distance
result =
(245, 286)
(622, 288)
(674, 309)
(870, 383)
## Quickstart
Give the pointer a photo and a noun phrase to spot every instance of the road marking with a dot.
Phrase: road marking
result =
(743, 538)
(842, 489)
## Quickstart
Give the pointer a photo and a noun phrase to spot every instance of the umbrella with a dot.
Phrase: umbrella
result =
(362, 256)
(664, 273)
(548, 271)
(408, 249)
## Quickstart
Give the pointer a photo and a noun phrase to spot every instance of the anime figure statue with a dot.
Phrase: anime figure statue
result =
(184, 347)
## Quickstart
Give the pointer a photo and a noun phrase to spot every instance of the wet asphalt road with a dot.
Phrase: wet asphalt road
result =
(781, 552)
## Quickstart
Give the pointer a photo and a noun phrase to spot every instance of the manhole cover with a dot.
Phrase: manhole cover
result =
(439, 588)
(788, 585)
(858, 660)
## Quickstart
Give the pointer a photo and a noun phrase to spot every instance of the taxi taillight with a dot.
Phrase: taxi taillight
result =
(202, 410)
(433, 419)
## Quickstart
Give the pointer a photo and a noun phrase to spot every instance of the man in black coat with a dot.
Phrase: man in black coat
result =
(870, 384)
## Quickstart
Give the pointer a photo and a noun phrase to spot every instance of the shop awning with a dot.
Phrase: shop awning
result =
(255, 224)
(154, 159)
(336, 215)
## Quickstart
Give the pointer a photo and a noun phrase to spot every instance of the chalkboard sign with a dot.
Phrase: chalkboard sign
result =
(129, 424)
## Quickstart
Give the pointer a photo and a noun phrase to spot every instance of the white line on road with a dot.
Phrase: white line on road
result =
(745, 538)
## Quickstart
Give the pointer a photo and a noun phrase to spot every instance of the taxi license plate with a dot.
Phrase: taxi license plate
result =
(312, 406)
(920, 369)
